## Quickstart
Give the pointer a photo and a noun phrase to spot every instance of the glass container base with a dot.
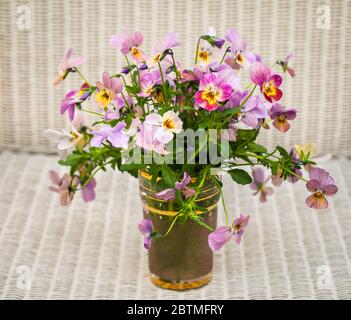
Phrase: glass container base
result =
(182, 285)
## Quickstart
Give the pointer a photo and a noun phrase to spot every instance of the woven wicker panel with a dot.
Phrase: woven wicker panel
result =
(29, 58)
(95, 251)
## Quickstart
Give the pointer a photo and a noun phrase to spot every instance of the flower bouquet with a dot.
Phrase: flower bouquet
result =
(178, 130)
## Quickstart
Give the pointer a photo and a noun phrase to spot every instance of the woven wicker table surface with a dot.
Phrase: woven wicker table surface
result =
(94, 251)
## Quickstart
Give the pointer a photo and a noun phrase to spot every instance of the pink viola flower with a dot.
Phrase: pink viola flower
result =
(73, 98)
(239, 56)
(145, 139)
(67, 64)
(259, 184)
(222, 235)
(115, 135)
(129, 43)
(170, 41)
(321, 184)
(269, 83)
(146, 228)
(169, 194)
(108, 90)
(88, 193)
(166, 126)
(62, 186)
(285, 65)
(212, 91)
(280, 115)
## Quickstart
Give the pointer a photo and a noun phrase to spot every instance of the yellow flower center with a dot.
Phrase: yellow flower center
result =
(281, 119)
(319, 195)
(148, 90)
(136, 53)
(168, 124)
(269, 89)
(204, 56)
(156, 58)
(239, 59)
(103, 98)
(211, 95)
(74, 136)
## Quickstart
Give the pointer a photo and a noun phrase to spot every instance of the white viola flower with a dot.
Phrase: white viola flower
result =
(165, 125)
(65, 140)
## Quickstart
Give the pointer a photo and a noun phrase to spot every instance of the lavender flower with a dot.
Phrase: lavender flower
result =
(115, 136)
(146, 227)
(222, 235)
(169, 194)
(61, 185)
(68, 63)
(320, 184)
(258, 184)
(280, 115)
(88, 193)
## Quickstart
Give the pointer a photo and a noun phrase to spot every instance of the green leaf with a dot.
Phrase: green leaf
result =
(247, 134)
(240, 176)
(168, 176)
(179, 198)
(282, 152)
(72, 160)
(255, 147)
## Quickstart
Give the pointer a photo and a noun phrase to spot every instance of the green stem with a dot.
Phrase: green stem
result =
(170, 227)
(81, 75)
(92, 176)
(281, 165)
(163, 82)
(197, 49)
(125, 100)
(225, 53)
(92, 112)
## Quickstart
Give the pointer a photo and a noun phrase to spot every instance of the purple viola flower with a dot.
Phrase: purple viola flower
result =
(218, 42)
(125, 70)
(222, 235)
(61, 185)
(294, 179)
(321, 184)
(280, 115)
(116, 136)
(253, 110)
(239, 57)
(73, 98)
(146, 227)
(169, 194)
(88, 193)
(143, 66)
(148, 82)
(259, 184)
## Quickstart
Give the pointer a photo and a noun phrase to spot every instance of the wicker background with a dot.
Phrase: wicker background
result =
(29, 58)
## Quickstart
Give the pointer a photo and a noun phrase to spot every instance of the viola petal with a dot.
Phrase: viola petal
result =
(330, 189)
